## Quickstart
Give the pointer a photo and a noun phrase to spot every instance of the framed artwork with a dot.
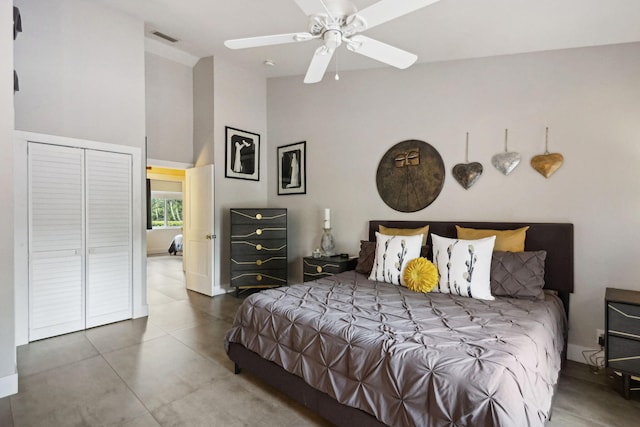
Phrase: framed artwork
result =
(242, 154)
(292, 169)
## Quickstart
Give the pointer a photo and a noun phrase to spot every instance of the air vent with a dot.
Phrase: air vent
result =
(164, 36)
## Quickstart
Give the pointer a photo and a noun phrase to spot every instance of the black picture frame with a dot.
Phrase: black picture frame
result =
(242, 154)
(292, 169)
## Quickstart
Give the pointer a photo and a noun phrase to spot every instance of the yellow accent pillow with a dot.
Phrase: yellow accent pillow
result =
(388, 231)
(420, 275)
(506, 240)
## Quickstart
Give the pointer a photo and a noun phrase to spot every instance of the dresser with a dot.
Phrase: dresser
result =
(258, 248)
(622, 336)
(315, 268)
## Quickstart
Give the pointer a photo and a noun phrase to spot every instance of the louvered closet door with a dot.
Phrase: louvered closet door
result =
(56, 252)
(108, 211)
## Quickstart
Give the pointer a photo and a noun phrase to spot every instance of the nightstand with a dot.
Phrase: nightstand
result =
(622, 336)
(315, 268)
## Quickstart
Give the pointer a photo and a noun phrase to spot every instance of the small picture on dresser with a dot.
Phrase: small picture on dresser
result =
(242, 154)
(292, 169)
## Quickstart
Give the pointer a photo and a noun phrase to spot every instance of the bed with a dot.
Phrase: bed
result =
(176, 245)
(361, 352)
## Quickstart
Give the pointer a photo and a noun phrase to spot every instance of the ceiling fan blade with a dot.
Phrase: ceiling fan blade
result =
(310, 7)
(386, 10)
(268, 40)
(319, 64)
(382, 52)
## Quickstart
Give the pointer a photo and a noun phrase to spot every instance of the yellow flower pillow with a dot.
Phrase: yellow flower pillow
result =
(420, 275)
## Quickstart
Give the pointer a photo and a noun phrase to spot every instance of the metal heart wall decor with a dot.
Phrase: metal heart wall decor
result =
(548, 163)
(467, 173)
(506, 162)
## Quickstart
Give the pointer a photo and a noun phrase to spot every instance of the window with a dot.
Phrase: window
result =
(166, 209)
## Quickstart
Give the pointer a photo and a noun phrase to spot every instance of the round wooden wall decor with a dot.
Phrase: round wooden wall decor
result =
(410, 176)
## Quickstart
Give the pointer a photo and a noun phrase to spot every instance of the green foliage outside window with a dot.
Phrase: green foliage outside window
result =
(166, 213)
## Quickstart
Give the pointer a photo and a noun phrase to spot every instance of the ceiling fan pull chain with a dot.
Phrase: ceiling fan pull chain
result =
(336, 77)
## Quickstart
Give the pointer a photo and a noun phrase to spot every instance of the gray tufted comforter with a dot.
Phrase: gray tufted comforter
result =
(411, 359)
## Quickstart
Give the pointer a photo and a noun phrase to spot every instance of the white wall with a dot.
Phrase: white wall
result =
(169, 109)
(240, 100)
(82, 76)
(589, 99)
(8, 373)
(159, 240)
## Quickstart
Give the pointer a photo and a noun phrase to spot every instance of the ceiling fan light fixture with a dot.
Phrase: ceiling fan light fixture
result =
(332, 39)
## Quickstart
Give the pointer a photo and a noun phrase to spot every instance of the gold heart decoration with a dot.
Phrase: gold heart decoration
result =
(548, 163)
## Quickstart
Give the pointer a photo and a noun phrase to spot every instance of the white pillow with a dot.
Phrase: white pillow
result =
(464, 266)
(392, 255)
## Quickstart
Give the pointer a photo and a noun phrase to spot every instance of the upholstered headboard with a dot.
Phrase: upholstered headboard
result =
(555, 238)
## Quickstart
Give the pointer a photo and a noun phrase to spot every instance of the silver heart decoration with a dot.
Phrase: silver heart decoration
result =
(467, 174)
(506, 162)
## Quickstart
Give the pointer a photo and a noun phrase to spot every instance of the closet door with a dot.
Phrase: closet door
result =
(108, 211)
(56, 251)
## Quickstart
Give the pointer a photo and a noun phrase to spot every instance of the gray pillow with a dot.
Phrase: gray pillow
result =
(518, 274)
(366, 257)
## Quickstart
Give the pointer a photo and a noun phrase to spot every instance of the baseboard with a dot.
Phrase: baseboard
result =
(574, 352)
(157, 251)
(8, 385)
(141, 311)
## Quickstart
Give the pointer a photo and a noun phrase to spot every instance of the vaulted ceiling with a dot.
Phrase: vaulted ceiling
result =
(446, 30)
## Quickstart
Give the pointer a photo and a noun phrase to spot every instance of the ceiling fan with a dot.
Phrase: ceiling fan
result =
(338, 21)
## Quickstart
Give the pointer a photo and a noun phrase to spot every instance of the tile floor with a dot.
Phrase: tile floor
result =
(170, 369)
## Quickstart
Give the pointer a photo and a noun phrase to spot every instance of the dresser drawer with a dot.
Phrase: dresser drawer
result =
(258, 248)
(259, 278)
(253, 232)
(623, 318)
(325, 267)
(623, 354)
(257, 263)
(262, 217)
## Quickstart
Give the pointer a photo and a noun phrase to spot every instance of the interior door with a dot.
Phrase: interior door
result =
(108, 219)
(56, 240)
(198, 236)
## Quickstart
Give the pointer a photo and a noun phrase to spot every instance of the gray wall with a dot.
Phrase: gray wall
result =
(169, 109)
(203, 107)
(588, 98)
(83, 72)
(240, 99)
(7, 341)
(83, 78)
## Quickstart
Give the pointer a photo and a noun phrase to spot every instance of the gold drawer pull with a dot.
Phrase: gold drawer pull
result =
(259, 247)
(259, 277)
(259, 216)
(259, 262)
(258, 231)
(319, 269)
